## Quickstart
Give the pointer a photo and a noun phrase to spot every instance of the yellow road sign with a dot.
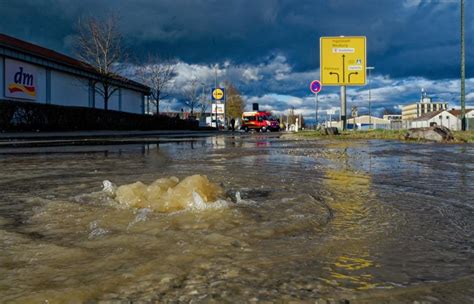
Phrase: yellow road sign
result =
(218, 94)
(343, 61)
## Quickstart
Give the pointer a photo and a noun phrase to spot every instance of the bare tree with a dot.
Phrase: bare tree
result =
(204, 101)
(158, 74)
(204, 104)
(99, 44)
(191, 95)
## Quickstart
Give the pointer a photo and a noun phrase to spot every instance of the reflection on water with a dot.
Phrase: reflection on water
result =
(351, 204)
(303, 220)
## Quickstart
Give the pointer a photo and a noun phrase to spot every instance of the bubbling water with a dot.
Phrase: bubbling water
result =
(194, 192)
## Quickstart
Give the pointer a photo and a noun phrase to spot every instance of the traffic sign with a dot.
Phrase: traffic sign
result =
(343, 61)
(315, 86)
(218, 93)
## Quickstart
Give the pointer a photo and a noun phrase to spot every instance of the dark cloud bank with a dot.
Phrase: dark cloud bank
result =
(406, 38)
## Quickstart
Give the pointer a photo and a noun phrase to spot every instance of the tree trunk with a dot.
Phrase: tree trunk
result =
(158, 93)
(106, 97)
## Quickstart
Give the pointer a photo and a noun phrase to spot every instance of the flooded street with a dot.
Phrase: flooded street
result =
(365, 221)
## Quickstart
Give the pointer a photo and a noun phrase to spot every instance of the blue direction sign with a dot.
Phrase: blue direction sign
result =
(315, 86)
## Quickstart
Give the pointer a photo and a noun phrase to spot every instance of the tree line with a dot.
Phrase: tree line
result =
(100, 44)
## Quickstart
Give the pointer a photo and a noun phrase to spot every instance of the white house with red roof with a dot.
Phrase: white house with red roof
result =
(447, 118)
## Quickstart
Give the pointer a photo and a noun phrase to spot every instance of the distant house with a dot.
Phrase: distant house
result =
(395, 121)
(450, 119)
(363, 122)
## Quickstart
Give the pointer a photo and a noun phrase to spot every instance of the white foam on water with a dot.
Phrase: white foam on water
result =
(142, 216)
(96, 231)
(109, 187)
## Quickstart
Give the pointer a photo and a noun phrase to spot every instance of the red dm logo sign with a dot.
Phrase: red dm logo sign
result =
(20, 80)
(315, 86)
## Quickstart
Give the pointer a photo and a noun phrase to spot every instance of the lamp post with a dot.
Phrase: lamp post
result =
(203, 105)
(463, 72)
(217, 123)
(368, 83)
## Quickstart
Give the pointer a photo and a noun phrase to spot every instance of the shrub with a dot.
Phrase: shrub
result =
(30, 116)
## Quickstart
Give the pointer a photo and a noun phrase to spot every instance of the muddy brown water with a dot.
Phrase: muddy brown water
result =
(358, 222)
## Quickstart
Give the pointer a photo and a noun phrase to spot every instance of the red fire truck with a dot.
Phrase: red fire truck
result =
(259, 121)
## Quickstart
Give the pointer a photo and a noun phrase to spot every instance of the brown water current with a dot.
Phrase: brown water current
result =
(238, 219)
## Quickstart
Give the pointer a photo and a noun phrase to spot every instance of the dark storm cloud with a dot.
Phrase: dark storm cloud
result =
(269, 48)
(405, 37)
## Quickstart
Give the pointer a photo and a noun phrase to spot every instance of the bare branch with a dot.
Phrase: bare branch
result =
(99, 44)
(191, 94)
(158, 74)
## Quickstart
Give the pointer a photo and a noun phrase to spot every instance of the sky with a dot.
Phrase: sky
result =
(269, 49)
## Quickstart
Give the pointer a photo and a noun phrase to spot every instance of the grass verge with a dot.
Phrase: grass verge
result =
(459, 136)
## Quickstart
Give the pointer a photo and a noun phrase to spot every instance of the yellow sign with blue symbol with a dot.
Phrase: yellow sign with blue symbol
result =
(218, 94)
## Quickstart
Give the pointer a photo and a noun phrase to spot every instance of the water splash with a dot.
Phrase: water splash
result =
(194, 192)
(142, 216)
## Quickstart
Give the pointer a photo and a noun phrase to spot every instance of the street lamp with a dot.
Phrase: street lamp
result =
(368, 83)
(204, 86)
(463, 72)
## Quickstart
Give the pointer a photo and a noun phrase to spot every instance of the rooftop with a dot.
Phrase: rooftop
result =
(430, 115)
(34, 50)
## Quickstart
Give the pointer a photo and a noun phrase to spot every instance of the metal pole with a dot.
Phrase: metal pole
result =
(225, 110)
(463, 72)
(317, 108)
(217, 122)
(215, 73)
(370, 109)
(370, 113)
(343, 107)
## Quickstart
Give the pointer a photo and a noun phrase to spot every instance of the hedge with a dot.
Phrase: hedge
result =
(30, 116)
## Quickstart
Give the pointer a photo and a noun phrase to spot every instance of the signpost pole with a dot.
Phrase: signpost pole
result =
(225, 111)
(316, 87)
(317, 107)
(343, 107)
(215, 73)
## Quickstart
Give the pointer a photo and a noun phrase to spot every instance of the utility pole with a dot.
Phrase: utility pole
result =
(463, 72)
(368, 82)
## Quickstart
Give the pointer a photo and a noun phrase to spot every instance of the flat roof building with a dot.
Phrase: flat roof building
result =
(29, 72)
(425, 105)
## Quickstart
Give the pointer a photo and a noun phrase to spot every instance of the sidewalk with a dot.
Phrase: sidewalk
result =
(30, 139)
